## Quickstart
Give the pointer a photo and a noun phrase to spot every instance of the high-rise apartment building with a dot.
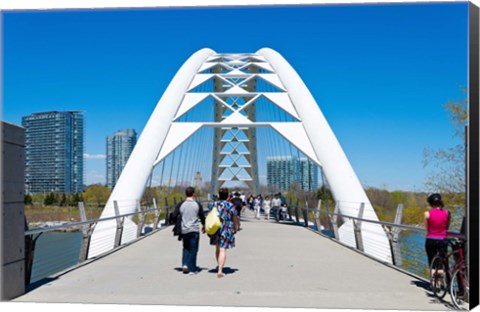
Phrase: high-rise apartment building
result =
(282, 171)
(308, 175)
(54, 144)
(119, 147)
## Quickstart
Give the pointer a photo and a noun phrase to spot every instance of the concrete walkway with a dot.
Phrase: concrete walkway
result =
(273, 265)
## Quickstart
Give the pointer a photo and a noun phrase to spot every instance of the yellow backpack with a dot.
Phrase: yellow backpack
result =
(212, 222)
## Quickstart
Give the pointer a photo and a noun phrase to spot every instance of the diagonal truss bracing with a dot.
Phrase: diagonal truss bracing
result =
(237, 85)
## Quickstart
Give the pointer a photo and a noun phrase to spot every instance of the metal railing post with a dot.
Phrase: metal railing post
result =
(317, 216)
(141, 217)
(305, 216)
(289, 209)
(357, 225)
(87, 230)
(118, 232)
(333, 219)
(296, 213)
(167, 214)
(157, 214)
(393, 234)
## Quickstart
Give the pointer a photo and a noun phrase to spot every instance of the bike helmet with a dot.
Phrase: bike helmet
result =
(435, 200)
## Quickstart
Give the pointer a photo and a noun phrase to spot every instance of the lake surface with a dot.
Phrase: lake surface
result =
(54, 252)
(414, 256)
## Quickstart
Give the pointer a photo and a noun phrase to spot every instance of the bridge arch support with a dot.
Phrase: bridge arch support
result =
(311, 134)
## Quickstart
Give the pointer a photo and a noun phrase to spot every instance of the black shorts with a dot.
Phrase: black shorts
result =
(432, 246)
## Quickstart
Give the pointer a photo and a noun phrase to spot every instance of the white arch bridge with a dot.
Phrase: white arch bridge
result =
(241, 108)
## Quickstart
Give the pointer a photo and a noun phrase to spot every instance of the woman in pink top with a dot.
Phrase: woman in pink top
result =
(437, 221)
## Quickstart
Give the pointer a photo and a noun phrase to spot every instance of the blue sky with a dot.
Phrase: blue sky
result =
(380, 73)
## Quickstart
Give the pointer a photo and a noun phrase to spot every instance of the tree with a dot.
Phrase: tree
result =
(149, 193)
(97, 194)
(448, 177)
(63, 200)
(49, 199)
(28, 199)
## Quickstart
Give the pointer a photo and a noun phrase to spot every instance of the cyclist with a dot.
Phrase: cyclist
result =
(437, 221)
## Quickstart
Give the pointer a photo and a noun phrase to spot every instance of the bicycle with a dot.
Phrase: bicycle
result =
(459, 285)
(439, 275)
(443, 265)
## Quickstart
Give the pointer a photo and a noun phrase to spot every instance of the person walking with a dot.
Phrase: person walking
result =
(257, 204)
(224, 238)
(266, 207)
(244, 199)
(284, 209)
(251, 202)
(238, 205)
(437, 222)
(276, 203)
(191, 214)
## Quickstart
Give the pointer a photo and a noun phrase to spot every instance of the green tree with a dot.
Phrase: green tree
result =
(63, 200)
(97, 194)
(28, 199)
(38, 198)
(448, 175)
(175, 198)
(150, 193)
(49, 199)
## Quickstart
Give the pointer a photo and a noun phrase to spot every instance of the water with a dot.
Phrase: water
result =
(414, 257)
(54, 252)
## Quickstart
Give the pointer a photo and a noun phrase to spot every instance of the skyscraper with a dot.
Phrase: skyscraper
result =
(119, 147)
(308, 175)
(282, 171)
(54, 144)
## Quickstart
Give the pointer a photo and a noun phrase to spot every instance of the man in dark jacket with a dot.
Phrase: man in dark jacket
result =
(238, 204)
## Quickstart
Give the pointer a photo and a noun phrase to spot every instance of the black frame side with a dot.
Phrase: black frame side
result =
(473, 154)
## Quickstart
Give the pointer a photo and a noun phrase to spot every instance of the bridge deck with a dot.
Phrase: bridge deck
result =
(273, 265)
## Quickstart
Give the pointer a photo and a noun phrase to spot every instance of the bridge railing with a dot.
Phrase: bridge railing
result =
(57, 247)
(407, 242)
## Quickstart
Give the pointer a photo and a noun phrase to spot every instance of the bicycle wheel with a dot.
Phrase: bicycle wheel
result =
(439, 277)
(460, 289)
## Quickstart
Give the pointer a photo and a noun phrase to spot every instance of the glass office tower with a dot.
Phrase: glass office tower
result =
(119, 147)
(282, 171)
(54, 144)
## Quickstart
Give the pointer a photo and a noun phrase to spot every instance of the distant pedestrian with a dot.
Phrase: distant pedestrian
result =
(283, 214)
(251, 202)
(191, 213)
(266, 207)
(257, 205)
(238, 205)
(243, 198)
(276, 203)
(225, 237)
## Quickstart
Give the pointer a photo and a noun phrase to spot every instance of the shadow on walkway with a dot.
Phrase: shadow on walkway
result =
(226, 270)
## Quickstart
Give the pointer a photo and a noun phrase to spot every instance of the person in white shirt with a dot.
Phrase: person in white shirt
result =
(276, 203)
(266, 207)
(257, 204)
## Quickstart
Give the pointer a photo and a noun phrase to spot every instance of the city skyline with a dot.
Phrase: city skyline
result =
(382, 89)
